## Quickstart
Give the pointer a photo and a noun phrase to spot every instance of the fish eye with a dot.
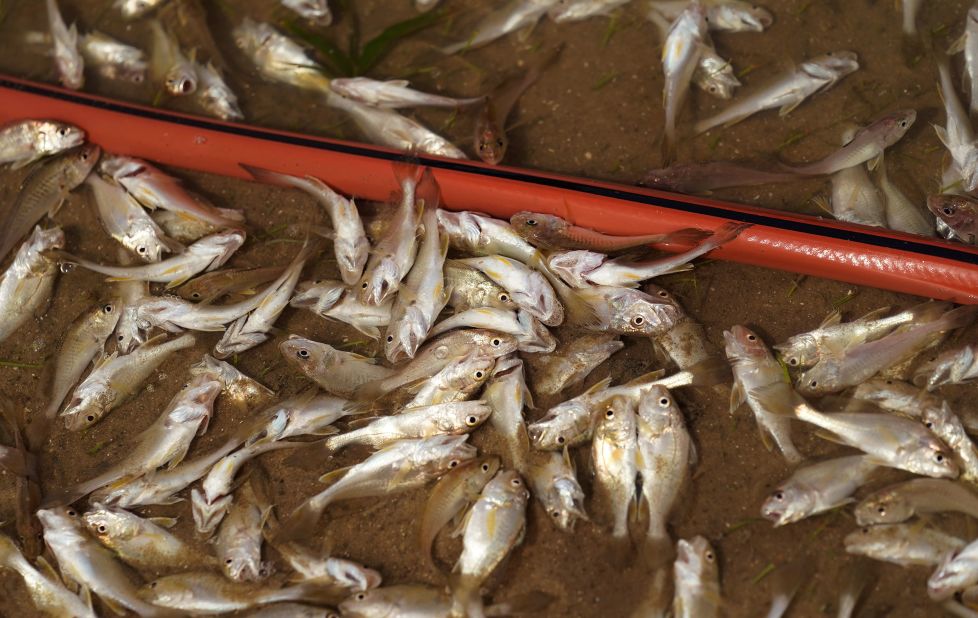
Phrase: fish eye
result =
(793, 361)
(948, 211)
(555, 514)
(302, 353)
(228, 561)
(120, 338)
(107, 308)
(516, 482)
(560, 439)
(471, 421)
(638, 320)
(485, 466)
(751, 338)
(195, 295)
(663, 293)
(496, 342)
(531, 222)
(881, 510)
(101, 529)
(71, 512)
(779, 495)
(609, 413)
(929, 424)
(90, 418)
(664, 402)
(364, 286)
(939, 458)
(361, 596)
(453, 463)
(152, 584)
(390, 338)
(712, 89)
(478, 375)
(62, 131)
(500, 142)
(813, 383)
(504, 297)
(903, 123)
(709, 556)
(141, 249)
(865, 530)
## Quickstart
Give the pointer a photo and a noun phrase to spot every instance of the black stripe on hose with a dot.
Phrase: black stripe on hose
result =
(805, 227)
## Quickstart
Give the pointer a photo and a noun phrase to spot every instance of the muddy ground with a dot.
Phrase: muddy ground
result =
(597, 113)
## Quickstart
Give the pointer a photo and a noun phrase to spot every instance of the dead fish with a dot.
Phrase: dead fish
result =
(554, 481)
(398, 600)
(279, 58)
(336, 371)
(25, 141)
(126, 221)
(867, 145)
(129, 293)
(664, 454)
(624, 311)
(948, 427)
(817, 488)
(722, 15)
(422, 295)
(214, 95)
(861, 362)
(160, 487)
(252, 329)
(84, 339)
(393, 94)
(532, 335)
(470, 289)
(955, 366)
(214, 285)
(553, 233)
(910, 9)
(697, 580)
(527, 287)
(155, 189)
(114, 59)
(455, 382)
(457, 489)
(350, 244)
(204, 255)
(44, 190)
(834, 336)
(956, 571)
(715, 75)
(315, 567)
(572, 362)
(898, 503)
(67, 58)
(27, 283)
(507, 396)
(439, 353)
(169, 66)
(613, 451)
(787, 91)
(968, 43)
(387, 127)
(518, 15)
(901, 213)
(902, 544)
(889, 440)
(392, 258)
(707, 177)
(577, 10)
(399, 467)
(131, 9)
(45, 589)
(620, 272)
(453, 418)
(494, 526)
(164, 443)
(203, 593)
(238, 542)
(331, 300)
(116, 378)
(957, 135)
(681, 52)
(142, 543)
(854, 198)
(315, 11)
(82, 560)
(490, 141)
(903, 398)
(958, 213)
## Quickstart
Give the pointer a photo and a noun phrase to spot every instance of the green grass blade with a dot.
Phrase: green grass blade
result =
(335, 60)
(379, 46)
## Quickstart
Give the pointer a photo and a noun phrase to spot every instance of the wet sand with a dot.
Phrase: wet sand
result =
(596, 113)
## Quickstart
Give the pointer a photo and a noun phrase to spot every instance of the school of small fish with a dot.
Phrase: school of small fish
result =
(465, 310)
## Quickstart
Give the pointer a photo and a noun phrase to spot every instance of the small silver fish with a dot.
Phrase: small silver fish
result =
(238, 542)
(331, 300)
(214, 95)
(614, 452)
(554, 482)
(142, 542)
(681, 54)
(817, 488)
(855, 198)
(169, 66)
(957, 570)
(46, 591)
(452, 418)
(955, 366)
(898, 503)
(902, 544)
(867, 144)
(513, 17)
(532, 335)
(572, 362)
(566, 11)
(113, 59)
(197, 593)
(131, 9)
(470, 289)
(126, 221)
(624, 311)
(968, 43)
(697, 580)
(279, 58)
(457, 381)
(67, 58)
(721, 15)
(393, 94)
(336, 371)
(315, 11)
(715, 75)
(508, 395)
(24, 141)
(27, 283)
(957, 135)
(901, 213)
(527, 287)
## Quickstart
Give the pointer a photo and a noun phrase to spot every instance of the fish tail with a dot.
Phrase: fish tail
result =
(74, 493)
(466, 600)
(958, 318)
(685, 236)
(578, 310)
(709, 372)
(311, 592)
(408, 171)
(727, 232)
(302, 522)
(428, 193)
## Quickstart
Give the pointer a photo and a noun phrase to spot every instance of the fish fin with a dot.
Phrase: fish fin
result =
(47, 570)
(361, 422)
(371, 331)
(86, 596)
(737, 396)
(598, 386)
(958, 45)
(53, 210)
(874, 163)
(709, 372)
(163, 522)
(686, 236)
(651, 376)
(113, 605)
(941, 133)
(428, 195)
(875, 314)
(831, 319)
(334, 475)
(829, 436)
(328, 430)
(767, 396)
(177, 283)
(790, 107)
(694, 455)
(765, 438)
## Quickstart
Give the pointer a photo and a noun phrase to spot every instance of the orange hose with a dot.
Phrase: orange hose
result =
(798, 243)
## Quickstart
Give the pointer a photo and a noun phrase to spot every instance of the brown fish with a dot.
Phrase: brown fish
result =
(553, 233)
(490, 129)
(959, 213)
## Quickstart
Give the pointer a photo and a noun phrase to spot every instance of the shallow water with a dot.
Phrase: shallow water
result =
(596, 113)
